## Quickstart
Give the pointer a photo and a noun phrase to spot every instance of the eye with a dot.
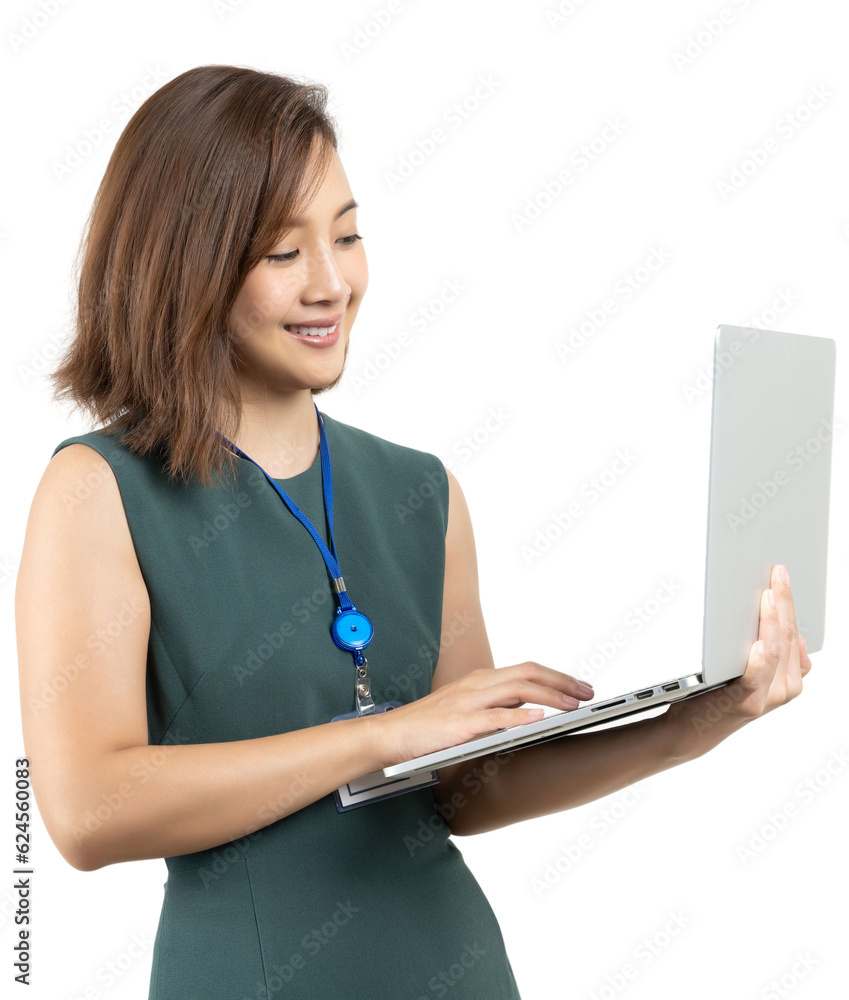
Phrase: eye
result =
(283, 256)
(347, 241)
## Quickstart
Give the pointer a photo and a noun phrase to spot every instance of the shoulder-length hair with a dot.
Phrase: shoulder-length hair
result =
(201, 185)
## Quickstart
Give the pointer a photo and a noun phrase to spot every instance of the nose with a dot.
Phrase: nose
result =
(323, 280)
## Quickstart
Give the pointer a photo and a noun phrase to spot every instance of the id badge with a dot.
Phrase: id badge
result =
(374, 786)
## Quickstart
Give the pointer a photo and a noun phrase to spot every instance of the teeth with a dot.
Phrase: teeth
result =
(312, 331)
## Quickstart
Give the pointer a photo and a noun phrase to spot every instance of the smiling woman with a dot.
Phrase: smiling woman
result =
(211, 706)
(221, 275)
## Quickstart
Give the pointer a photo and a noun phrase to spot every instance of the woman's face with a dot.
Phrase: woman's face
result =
(315, 277)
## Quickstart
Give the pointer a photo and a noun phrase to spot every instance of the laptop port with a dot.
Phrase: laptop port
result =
(607, 704)
(672, 686)
(645, 694)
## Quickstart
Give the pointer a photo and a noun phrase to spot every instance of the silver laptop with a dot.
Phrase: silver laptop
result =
(768, 499)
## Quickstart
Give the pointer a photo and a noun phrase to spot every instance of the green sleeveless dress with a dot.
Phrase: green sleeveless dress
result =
(374, 903)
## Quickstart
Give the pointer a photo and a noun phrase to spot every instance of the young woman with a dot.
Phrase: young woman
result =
(185, 563)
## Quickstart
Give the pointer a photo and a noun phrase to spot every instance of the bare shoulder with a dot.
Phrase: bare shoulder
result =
(77, 523)
(78, 472)
(78, 487)
(456, 499)
(459, 534)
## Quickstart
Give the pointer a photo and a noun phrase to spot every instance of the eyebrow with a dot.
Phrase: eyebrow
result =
(301, 222)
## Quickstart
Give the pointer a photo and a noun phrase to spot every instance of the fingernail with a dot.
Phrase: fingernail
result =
(785, 576)
(569, 701)
(803, 642)
(771, 597)
(585, 690)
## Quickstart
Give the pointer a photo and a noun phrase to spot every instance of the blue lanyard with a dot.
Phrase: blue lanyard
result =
(351, 629)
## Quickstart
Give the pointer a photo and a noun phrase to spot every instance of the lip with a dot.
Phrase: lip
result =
(323, 321)
(318, 342)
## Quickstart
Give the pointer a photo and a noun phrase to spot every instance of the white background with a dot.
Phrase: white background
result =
(691, 107)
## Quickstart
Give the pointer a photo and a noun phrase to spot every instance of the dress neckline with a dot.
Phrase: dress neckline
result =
(300, 476)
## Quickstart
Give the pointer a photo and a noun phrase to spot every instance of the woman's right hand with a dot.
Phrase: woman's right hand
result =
(482, 701)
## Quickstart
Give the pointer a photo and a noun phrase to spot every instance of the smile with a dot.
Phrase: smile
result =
(313, 331)
(316, 336)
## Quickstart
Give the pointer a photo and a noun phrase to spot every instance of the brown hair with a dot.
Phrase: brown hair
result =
(201, 185)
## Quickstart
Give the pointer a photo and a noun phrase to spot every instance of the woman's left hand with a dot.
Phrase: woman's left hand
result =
(772, 677)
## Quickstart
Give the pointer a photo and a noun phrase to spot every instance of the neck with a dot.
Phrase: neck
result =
(280, 432)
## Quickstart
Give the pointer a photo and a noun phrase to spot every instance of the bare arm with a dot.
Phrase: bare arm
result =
(493, 791)
(104, 794)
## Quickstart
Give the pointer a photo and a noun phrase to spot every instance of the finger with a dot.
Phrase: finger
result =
(533, 672)
(788, 629)
(804, 660)
(510, 693)
(780, 582)
(788, 680)
(792, 675)
(761, 666)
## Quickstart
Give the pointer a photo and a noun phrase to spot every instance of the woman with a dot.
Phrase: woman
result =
(194, 714)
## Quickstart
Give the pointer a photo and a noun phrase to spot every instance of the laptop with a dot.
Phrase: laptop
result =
(768, 500)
